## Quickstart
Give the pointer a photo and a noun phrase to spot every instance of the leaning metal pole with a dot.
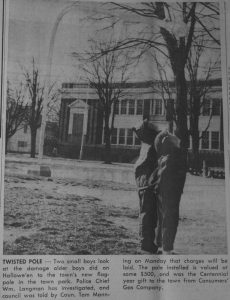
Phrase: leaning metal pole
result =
(179, 31)
(48, 78)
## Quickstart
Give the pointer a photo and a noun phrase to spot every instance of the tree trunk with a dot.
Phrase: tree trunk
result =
(195, 114)
(107, 157)
(33, 142)
(177, 57)
(181, 107)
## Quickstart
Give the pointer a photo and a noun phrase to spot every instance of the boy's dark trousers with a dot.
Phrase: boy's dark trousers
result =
(159, 218)
(148, 220)
(171, 179)
(168, 219)
(145, 175)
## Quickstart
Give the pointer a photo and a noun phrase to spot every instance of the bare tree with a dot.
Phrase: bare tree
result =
(199, 85)
(16, 111)
(36, 88)
(165, 87)
(175, 25)
(199, 73)
(107, 73)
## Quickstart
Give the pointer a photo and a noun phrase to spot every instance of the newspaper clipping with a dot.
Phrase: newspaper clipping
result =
(115, 149)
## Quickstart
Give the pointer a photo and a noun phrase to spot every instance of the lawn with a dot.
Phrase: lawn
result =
(67, 216)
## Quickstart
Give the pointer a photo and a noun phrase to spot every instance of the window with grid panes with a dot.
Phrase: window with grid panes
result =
(121, 136)
(205, 140)
(158, 107)
(124, 107)
(215, 140)
(153, 107)
(206, 107)
(215, 107)
(131, 107)
(139, 107)
(117, 104)
(129, 137)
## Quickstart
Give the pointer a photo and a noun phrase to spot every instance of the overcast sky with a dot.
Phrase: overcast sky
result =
(30, 27)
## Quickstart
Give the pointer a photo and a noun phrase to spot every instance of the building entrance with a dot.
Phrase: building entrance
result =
(78, 121)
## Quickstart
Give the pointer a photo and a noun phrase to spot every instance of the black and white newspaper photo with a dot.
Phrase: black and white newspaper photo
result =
(115, 149)
(3, 25)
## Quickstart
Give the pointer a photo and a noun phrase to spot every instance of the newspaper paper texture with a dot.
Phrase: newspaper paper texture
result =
(115, 149)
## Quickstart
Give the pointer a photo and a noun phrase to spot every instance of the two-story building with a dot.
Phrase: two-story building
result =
(81, 121)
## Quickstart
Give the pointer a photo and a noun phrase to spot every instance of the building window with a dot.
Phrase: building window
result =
(22, 144)
(124, 136)
(206, 107)
(129, 137)
(215, 107)
(205, 140)
(114, 136)
(121, 136)
(77, 127)
(140, 107)
(215, 143)
(131, 107)
(211, 106)
(157, 107)
(117, 105)
(70, 85)
(124, 107)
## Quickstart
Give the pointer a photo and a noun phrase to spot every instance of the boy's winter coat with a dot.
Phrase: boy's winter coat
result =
(160, 174)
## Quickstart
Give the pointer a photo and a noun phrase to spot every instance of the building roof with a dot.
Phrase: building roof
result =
(143, 84)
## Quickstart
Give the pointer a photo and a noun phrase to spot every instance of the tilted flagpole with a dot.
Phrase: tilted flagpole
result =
(48, 78)
(177, 27)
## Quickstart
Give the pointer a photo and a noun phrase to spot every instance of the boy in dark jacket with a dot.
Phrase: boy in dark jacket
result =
(160, 175)
(145, 175)
(171, 176)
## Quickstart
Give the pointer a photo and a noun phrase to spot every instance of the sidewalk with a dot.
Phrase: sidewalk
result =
(92, 170)
(72, 168)
(25, 158)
